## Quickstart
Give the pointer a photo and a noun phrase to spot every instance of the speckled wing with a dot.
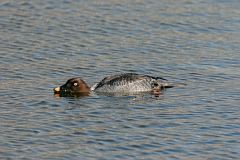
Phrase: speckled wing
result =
(128, 82)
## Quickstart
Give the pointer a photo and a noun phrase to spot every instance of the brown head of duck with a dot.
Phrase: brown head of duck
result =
(73, 87)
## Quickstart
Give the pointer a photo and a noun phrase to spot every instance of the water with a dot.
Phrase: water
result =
(43, 43)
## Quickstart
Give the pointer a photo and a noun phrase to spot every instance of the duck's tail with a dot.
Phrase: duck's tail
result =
(171, 85)
(166, 84)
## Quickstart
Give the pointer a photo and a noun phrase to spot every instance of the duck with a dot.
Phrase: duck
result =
(124, 83)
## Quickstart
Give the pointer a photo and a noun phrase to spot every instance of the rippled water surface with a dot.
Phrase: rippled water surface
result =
(44, 43)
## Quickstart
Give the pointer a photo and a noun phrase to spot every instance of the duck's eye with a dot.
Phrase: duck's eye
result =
(75, 84)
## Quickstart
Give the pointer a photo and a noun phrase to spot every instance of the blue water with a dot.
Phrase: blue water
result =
(44, 43)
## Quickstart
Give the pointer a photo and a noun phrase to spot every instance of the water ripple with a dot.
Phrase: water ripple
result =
(43, 43)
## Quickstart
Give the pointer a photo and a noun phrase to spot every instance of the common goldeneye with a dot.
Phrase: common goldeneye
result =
(121, 83)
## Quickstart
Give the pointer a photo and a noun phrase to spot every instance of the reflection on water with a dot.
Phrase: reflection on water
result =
(44, 43)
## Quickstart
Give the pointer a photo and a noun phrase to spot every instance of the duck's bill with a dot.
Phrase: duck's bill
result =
(57, 90)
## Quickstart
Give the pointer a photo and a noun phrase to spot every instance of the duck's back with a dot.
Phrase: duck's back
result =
(128, 82)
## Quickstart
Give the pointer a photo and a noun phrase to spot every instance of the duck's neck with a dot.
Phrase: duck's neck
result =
(84, 88)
